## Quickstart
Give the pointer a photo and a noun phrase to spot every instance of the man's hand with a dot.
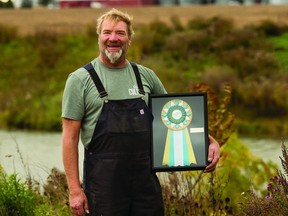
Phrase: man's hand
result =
(78, 203)
(213, 154)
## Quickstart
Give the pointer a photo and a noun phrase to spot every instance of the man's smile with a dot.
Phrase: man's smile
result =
(113, 47)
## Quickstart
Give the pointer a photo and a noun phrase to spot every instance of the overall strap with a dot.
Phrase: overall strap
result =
(138, 78)
(89, 67)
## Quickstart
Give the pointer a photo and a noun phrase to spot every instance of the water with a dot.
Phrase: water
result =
(37, 153)
(32, 153)
(267, 149)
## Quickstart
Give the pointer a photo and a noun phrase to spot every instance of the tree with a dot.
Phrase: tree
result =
(26, 4)
(8, 4)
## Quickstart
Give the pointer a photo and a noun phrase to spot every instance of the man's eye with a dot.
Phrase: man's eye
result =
(121, 33)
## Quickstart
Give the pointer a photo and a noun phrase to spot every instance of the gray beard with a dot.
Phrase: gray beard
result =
(113, 57)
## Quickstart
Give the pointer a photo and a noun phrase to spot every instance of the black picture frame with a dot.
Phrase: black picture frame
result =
(179, 139)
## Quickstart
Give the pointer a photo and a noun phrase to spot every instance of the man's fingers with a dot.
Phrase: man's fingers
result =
(86, 207)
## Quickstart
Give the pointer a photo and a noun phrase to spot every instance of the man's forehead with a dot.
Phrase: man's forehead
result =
(114, 23)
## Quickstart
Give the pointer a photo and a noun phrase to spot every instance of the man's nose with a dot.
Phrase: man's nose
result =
(113, 37)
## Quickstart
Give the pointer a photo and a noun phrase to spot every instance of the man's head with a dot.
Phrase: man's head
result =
(115, 31)
(116, 16)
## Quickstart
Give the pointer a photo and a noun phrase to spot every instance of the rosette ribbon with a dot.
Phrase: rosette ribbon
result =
(176, 116)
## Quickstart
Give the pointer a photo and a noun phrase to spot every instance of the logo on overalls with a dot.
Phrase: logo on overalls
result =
(134, 90)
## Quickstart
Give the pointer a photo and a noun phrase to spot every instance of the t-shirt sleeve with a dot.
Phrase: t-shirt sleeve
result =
(73, 100)
(158, 87)
(154, 83)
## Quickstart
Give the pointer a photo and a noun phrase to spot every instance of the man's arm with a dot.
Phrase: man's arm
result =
(70, 139)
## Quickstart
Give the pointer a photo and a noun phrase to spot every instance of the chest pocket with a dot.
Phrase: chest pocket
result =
(130, 120)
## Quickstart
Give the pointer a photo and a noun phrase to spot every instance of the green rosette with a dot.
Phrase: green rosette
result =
(176, 115)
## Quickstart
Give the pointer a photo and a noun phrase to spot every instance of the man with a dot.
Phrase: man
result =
(106, 100)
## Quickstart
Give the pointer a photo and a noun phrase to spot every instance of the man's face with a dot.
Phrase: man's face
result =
(113, 41)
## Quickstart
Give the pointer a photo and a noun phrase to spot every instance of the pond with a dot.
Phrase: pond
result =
(35, 153)
(31, 153)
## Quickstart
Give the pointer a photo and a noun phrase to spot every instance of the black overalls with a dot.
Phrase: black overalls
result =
(117, 177)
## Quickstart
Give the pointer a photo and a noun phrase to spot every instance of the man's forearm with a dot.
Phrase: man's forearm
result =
(70, 161)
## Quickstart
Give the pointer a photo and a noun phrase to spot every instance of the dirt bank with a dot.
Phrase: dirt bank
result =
(29, 21)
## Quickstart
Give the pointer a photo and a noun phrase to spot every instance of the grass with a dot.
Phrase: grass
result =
(281, 47)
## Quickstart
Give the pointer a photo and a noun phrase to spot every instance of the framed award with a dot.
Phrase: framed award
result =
(179, 138)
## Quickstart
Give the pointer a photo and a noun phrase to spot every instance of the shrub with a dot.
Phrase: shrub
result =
(280, 50)
(245, 38)
(8, 4)
(7, 33)
(150, 38)
(215, 26)
(264, 98)
(49, 47)
(56, 188)
(249, 64)
(275, 202)
(27, 4)
(219, 76)
(176, 23)
(196, 193)
(196, 44)
(19, 198)
(15, 197)
(270, 28)
(219, 117)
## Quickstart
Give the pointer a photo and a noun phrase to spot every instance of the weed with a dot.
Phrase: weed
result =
(275, 202)
(15, 197)
(7, 33)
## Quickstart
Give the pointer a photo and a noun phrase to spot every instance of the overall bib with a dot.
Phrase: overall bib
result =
(117, 172)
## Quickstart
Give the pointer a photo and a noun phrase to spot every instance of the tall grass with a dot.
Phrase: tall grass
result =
(190, 193)
(275, 201)
(15, 198)
(24, 198)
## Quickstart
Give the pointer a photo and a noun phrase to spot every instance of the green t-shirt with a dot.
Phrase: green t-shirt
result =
(81, 99)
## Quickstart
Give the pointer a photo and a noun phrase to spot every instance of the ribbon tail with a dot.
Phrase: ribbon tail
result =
(191, 155)
(166, 155)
